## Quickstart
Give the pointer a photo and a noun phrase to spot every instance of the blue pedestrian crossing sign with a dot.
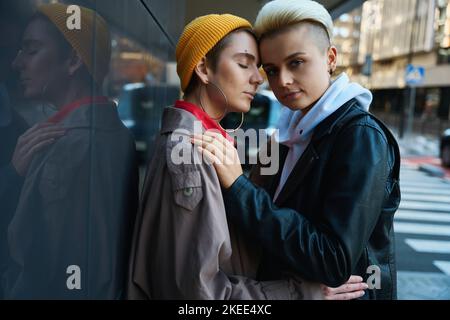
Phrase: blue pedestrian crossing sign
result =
(414, 75)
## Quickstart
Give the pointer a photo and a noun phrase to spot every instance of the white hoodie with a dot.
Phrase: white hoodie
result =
(296, 129)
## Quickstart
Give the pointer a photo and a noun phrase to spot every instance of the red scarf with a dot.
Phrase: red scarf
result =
(68, 108)
(201, 115)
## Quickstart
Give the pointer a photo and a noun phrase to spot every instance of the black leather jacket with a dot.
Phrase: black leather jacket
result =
(334, 216)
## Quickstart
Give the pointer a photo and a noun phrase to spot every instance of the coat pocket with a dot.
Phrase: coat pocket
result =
(187, 188)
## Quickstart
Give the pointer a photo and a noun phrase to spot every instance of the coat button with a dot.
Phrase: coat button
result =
(188, 192)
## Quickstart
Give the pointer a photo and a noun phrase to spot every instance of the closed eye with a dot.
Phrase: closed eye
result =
(29, 49)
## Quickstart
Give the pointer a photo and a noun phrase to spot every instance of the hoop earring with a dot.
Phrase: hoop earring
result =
(222, 93)
(235, 129)
(226, 108)
(226, 100)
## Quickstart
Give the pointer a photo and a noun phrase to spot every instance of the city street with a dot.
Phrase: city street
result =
(79, 112)
(422, 227)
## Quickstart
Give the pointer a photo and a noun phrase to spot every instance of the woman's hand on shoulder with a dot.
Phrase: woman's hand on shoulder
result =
(216, 149)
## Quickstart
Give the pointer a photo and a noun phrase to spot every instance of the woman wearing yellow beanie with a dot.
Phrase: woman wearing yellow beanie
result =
(183, 247)
(68, 236)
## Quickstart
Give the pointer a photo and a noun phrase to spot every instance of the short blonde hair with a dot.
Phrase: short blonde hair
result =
(280, 14)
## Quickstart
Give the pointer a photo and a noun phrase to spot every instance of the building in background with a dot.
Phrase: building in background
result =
(347, 33)
(376, 41)
(394, 34)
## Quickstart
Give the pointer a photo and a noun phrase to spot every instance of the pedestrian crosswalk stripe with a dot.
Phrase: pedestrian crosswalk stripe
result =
(418, 205)
(422, 215)
(429, 246)
(426, 197)
(422, 223)
(427, 180)
(420, 178)
(420, 228)
(423, 178)
(411, 169)
(425, 185)
(415, 190)
(444, 266)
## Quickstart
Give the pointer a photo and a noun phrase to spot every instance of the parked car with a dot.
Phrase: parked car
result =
(140, 109)
(445, 148)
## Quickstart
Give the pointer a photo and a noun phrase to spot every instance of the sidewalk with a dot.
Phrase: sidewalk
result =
(422, 152)
(418, 145)
(423, 286)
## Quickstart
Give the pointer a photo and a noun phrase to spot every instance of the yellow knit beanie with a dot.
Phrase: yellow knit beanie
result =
(92, 41)
(199, 37)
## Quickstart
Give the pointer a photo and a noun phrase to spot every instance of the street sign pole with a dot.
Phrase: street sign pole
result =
(411, 108)
(416, 75)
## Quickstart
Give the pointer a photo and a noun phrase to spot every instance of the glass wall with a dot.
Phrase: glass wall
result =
(82, 90)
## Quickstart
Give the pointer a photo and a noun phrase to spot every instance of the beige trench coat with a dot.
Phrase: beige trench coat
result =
(183, 246)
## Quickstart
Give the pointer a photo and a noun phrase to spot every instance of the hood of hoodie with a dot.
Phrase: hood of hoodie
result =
(5, 111)
(296, 129)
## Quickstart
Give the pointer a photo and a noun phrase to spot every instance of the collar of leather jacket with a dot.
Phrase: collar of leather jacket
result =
(335, 120)
(346, 113)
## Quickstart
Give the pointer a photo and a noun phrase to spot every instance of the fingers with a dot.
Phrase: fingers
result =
(42, 144)
(215, 135)
(215, 150)
(38, 129)
(33, 140)
(205, 140)
(219, 138)
(352, 289)
(38, 126)
(355, 279)
(220, 156)
(226, 154)
(345, 296)
(209, 156)
(348, 287)
(43, 135)
(42, 126)
(211, 136)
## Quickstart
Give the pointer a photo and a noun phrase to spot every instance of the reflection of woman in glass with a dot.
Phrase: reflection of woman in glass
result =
(11, 123)
(68, 236)
(183, 247)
